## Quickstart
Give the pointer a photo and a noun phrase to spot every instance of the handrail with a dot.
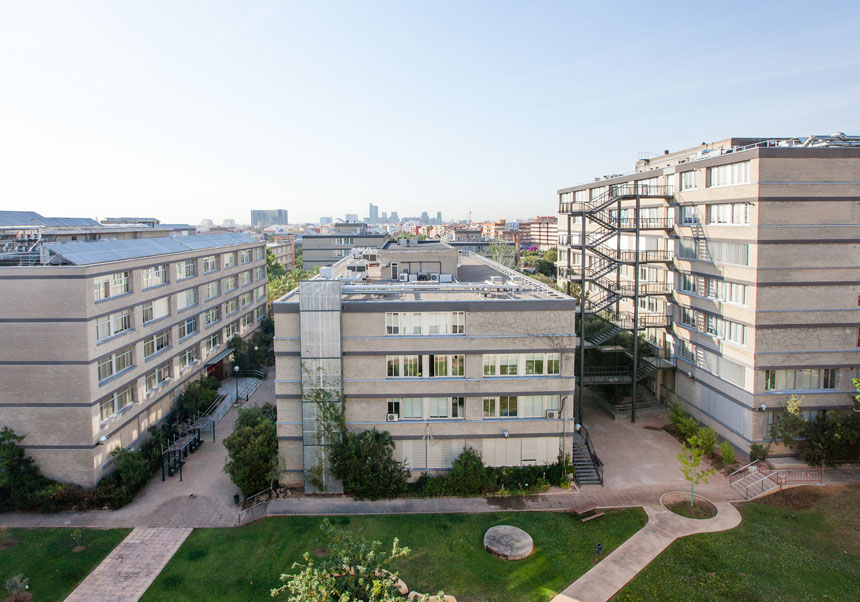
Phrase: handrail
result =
(745, 466)
(764, 478)
(595, 460)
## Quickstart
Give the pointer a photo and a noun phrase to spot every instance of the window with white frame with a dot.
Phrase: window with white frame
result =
(186, 299)
(729, 175)
(245, 299)
(687, 283)
(155, 343)
(259, 273)
(688, 317)
(524, 364)
(211, 289)
(210, 264)
(425, 323)
(114, 363)
(189, 357)
(247, 320)
(228, 260)
(689, 180)
(188, 327)
(245, 278)
(430, 366)
(245, 256)
(155, 309)
(112, 285)
(730, 292)
(737, 214)
(212, 315)
(231, 307)
(228, 284)
(725, 329)
(348, 240)
(800, 379)
(520, 406)
(117, 401)
(231, 331)
(260, 313)
(113, 324)
(261, 292)
(153, 276)
(157, 376)
(186, 269)
(689, 215)
(259, 253)
(211, 343)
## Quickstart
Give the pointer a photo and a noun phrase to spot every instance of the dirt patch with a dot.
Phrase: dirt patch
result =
(7, 544)
(79, 548)
(648, 427)
(797, 498)
(679, 503)
(322, 551)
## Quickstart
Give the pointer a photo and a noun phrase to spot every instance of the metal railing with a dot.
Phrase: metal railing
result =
(596, 461)
(765, 480)
(737, 476)
(254, 507)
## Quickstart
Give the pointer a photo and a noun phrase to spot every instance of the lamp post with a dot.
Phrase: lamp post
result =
(236, 375)
(256, 353)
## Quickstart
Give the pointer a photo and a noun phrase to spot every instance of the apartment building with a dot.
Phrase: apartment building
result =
(541, 232)
(739, 261)
(327, 249)
(444, 350)
(102, 336)
(262, 218)
(283, 248)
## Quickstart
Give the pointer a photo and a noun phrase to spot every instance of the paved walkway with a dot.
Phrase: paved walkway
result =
(131, 567)
(616, 570)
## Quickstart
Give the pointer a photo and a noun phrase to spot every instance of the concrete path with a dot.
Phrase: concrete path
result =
(131, 567)
(616, 570)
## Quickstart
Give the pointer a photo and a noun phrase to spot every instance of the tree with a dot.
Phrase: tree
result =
(788, 423)
(253, 456)
(856, 382)
(365, 463)
(20, 478)
(690, 458)
(502, 253)
(273, 268)
(356, 570)
(132, 472)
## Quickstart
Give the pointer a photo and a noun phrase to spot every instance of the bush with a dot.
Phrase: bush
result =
(365, 463)
(705, 439)
(683, 422)
(728, 454)
(132, 472)
(832, 439)
(252, 416)
(253, 456)
(758, 452)
(197, 397)
(469, 476)
(21, 481)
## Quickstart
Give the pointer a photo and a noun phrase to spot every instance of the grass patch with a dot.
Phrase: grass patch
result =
(679, 503)
(447, 553)
(800, 544)
(45, 557)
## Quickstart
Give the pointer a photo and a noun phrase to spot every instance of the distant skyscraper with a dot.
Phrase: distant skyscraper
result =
(373, 214)
(325, 221)
(438, 217)
(260, 218)
(351, 217)
(384, 217)
(395, 217)
(425, 217)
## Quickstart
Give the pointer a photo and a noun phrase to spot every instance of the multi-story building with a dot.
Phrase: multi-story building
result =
(738, 261)
(373, 214)
(327, 249)
(443, 350)
(102, 336)
(261, 218)
(541, 232)
(282, 247)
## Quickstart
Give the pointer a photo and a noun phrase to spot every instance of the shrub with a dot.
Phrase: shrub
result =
(252, 416)
(565, 483)
(832, 439)
(253, 456)
(365, 463)
(469, 476)
(688, 426)
(758, 452)
(20, 478)
(705, 439)
(196, 397)
(132, 472)
(728, 454)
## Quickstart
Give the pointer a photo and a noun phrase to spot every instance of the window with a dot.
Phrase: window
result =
(189, 357)
(212, 316)
(428, 323)
(114, 363)
(261, 292)
(800, 379)
(412, 408)
(155, 309)
(553, 363)
(344, 241)
(245, 256)
(156, 343)
(730, 292)
(689, 180)
(490, 406)
(153, 276)
(437, 407)
(688, 317)
(228, 284)
(120, 399)
(259, 273)
(186, 269)
(108, 326)
(728, 213)
(210, 264)
(228, 260)
(245, 278)
(211, 343)
(689, 215)
(211, 290)
(534, 363)
(260, 313)
(394, 407)
(259, 253)
(729, 175)
(231, 331)
(188, 327)
(522, 406)
(245, 299)
(489, 365)
(393, 366)
(725, 329)
(157, 376)
(412, 365)
(232, 306)
(458, 407)
(109, 286)
(508, 406)
(508, 365)
(526, 364)
(687, 283)
(186, 299)
(458, 322)
(247, 320)
(392, 323)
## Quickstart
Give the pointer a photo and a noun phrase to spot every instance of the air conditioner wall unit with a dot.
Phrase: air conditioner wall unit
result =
(552, 414)
(404, 277)
(392, 418)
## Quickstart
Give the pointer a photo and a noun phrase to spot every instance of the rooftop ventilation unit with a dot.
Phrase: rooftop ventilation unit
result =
(404, 277)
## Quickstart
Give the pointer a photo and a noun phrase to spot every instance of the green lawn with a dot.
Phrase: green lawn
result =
(447, 553)
(800, 544)
(45, 556)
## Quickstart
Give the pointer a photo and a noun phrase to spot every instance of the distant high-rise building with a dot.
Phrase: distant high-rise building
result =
(384, 217)
(373, 214)
(260, 218)
(229, 223)
(325, 221)
(351, 217)
(438, 217)
(425, 217)
(395, 217)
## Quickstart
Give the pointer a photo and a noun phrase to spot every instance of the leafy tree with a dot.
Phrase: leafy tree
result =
(788, 423)
(469, 476)
(690, 458)
(356, 570)
(365, 463)
(250, 417)
(705, 439)
(273, 268)
(20, 478)
(253, 456)
(502, 253)
(832, 439)
(132, 472)
(727, 452)
(856, 382)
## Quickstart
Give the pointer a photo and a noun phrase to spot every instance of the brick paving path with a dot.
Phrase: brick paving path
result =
(131, 567)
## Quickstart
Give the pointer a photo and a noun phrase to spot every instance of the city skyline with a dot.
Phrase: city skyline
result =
(189, 113)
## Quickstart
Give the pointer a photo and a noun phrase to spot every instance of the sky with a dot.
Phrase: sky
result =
(184, 110)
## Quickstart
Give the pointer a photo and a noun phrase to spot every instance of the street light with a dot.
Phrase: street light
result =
(236, 374)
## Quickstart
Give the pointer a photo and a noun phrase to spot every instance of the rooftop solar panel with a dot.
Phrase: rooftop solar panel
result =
(101, 251)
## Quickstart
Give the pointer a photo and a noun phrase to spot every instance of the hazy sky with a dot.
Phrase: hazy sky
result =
(183, 110)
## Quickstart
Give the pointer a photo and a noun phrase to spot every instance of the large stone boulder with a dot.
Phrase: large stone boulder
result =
(510, 543)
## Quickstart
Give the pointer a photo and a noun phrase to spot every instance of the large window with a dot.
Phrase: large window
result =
(520, 406)
(232, 306)
(120, 399)
(186, 299)
(245, 278)
(213, 315)
(108, 326)
(425, 323)
(427, 408)
(431, 366)
(109, 286)
(245, 299)
(157, 376)
(525, 364)
(228, 284)
(188, 327)
(228, 260)
(153, 276)
(210, 264)
(729, 213)
(186, 269)
(231, 331)
(211, 290)
(211, 343)
(259, 273)
(800, 379)
(729, 175)
(114, 363)
(725, 329)
(189, 357)
(156, 342)
(730, 292)
(689, 180)
(687, 283)
(259, 253)
(153, 310)
(245, 256)
(261, 292)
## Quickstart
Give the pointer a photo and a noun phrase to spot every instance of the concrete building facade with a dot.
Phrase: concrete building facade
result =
(327, 249)
(739, 261)
(102, 336)
(261, 218)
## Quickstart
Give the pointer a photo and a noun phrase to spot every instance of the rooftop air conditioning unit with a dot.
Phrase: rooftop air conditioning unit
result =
(392, 418)
(552, 414)
(434, 276)
(404, 277)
